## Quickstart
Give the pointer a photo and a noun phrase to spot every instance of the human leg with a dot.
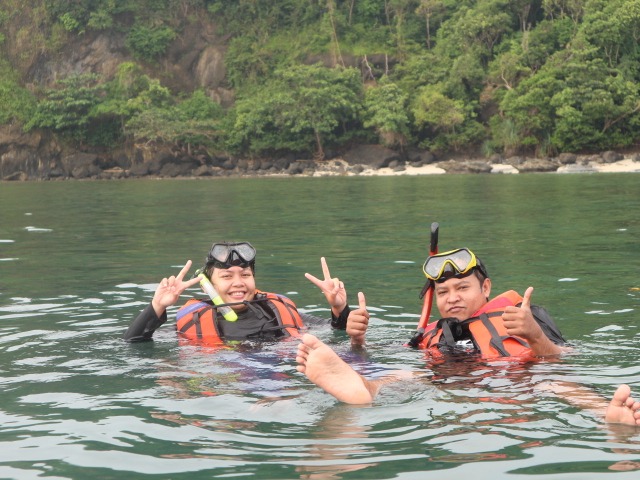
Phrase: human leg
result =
(327, 370)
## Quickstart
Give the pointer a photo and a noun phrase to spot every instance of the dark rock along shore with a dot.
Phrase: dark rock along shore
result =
(38, 156)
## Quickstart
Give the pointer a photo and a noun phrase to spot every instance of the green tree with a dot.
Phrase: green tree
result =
(149, 42)
(299, 107)
(429, 8)
(528, 109)
(385, 111)
(614, 28)
(560, 9)
(247, 61)
(537, 45)
(66, 109)
(577, 102)
(507, 70)
(254, 126)
(125, 95)
(80, 15)
(193, 122)
(594, 107)
(476, 30)
(436, 111)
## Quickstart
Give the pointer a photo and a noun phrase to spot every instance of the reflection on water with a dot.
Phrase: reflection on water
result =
(77, 402)
(108, 408)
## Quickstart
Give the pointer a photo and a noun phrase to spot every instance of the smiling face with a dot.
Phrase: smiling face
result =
(234, 284)
(461, 297)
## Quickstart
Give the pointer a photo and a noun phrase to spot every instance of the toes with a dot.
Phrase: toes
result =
(311, 341)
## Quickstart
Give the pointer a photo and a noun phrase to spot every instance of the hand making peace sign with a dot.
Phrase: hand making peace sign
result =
(332, 288)
(170, 289)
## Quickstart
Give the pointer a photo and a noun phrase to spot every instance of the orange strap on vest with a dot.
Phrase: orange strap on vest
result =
(287, 312)
(197, 320)
(490, 336)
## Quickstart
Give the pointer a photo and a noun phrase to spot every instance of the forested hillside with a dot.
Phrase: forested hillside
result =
(255, 78)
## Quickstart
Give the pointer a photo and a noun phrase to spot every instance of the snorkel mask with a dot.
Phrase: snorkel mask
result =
(454, 263)
(227, 255)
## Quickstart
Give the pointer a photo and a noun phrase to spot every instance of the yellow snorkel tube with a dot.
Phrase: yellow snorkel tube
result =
(227, 312)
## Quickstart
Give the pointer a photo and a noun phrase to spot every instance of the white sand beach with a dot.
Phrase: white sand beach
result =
(339, 167)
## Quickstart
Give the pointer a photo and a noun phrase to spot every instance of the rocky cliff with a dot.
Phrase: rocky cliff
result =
(194, 60)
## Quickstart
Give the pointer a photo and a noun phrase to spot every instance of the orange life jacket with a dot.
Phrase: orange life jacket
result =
(486, 329)
(197, 319)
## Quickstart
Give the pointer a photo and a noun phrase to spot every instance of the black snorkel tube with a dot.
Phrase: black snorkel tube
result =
(427, 293)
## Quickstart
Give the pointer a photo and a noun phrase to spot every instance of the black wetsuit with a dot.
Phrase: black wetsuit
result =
(254, 323)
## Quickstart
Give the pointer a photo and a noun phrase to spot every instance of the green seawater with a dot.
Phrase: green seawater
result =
(78, 261)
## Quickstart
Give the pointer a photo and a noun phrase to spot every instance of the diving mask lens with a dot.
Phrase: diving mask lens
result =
(460, 261)
(232, 254)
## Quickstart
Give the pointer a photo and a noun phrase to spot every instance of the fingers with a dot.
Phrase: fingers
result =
(362, 302)
(177, 283)
(179, 280)
(328, 285)
(509, 311)
(358, 322)
(316, 281)
(361, 315)
(191, 282)
(184, 270)
(325, 268)
(526, 299)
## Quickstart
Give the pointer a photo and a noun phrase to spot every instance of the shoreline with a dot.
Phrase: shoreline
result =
(340, 167)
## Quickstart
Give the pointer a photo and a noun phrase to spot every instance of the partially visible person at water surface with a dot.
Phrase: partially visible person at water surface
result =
(255, 315)
(506, 326)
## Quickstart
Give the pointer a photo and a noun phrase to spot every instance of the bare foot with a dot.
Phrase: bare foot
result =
(327, 370)
(623, 408)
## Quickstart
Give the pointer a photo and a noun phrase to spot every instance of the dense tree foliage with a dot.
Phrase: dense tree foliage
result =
(541, 76)
(306, 105)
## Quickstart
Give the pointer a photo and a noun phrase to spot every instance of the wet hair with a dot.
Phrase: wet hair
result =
(481, 269)
(479, 275)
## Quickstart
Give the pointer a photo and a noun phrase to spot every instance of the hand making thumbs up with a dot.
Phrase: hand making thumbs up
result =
(358, 321)
(519, 320)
